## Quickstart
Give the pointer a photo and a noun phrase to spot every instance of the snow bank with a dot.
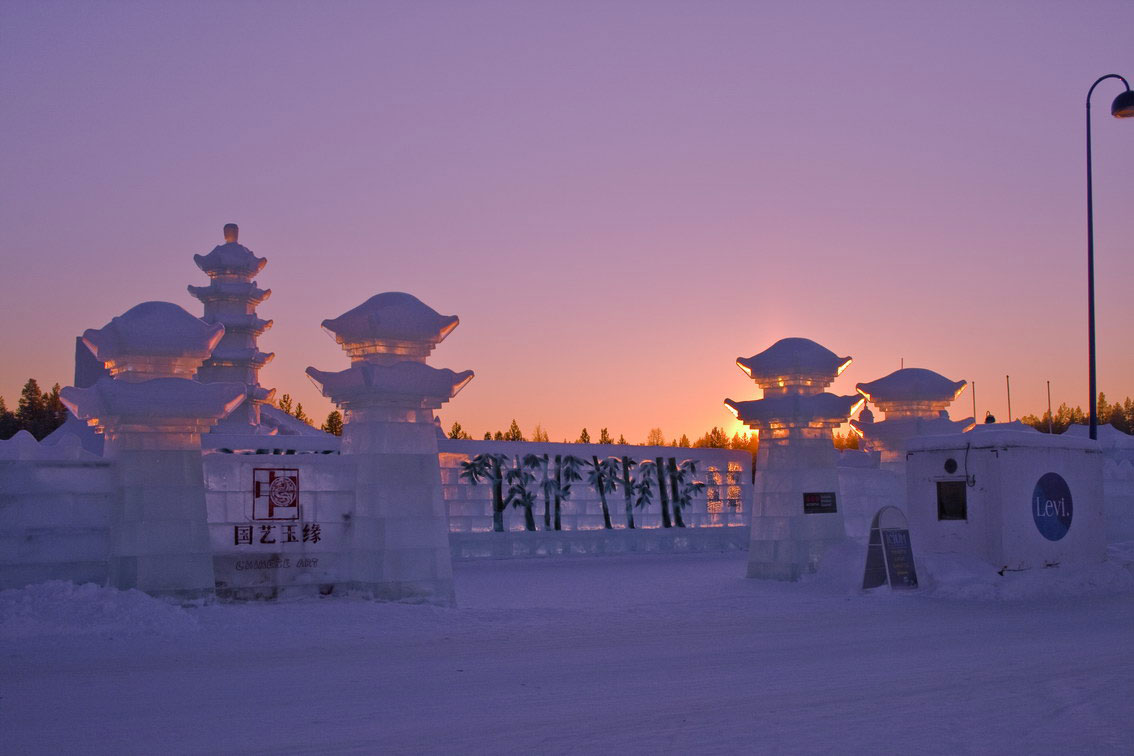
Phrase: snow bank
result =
(58, 608)
(955, 576)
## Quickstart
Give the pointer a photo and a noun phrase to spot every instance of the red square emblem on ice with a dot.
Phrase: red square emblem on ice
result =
(275, 493)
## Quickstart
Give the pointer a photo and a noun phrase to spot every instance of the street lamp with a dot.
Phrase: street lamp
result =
(1123, 107)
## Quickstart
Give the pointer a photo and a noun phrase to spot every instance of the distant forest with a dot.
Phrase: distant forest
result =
(39, 413)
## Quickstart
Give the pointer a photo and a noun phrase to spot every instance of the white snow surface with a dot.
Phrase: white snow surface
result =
(642, 654)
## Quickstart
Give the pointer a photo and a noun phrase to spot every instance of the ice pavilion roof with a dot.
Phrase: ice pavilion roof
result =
(391, 316)
(402, 379)
(912, 385)
(793, 357)
(158, 329)
(230, 258)
(797, 408)
(158, 398)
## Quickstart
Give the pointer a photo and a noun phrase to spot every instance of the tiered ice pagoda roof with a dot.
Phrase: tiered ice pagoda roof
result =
(394, 324)
(794, 362)
(387, 338)
(153, 339)
(911, 386)
(230, 259)
(231, 298)
(793, 373)
(403, 384)
(915, 402)
(796, 408)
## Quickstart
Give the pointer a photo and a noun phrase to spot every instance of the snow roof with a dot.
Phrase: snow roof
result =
(912, 385)
(797, 408)
(392, 316)
(155, 329)
(998, 435)
(796, 357)
(1109, 436)
(230, 258)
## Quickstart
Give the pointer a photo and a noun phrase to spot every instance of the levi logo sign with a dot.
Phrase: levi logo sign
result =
(1051, 506)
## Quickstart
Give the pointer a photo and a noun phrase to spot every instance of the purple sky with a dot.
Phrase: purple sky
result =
(617, 198)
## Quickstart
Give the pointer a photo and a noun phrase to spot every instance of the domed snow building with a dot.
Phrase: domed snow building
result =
(915, 402)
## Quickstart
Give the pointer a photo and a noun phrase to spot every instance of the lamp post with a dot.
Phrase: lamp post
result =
(1123, 107)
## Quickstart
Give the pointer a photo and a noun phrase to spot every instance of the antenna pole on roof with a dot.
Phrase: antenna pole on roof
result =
(1008, 383)
(1049, 417)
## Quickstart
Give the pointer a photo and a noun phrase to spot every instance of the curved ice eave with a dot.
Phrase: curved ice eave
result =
(402, 379)
(797, 408)
(157, 398)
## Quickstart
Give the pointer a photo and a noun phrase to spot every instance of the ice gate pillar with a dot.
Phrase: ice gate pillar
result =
(400, 532)
(795, 513)
(153, 414)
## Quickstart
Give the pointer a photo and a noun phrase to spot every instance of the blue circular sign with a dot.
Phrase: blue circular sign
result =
(1051, 506)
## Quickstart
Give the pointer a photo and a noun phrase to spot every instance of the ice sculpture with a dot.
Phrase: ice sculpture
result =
(916, 403)
(153, 414)
(230, 300)
(795, 514)
(388, 394)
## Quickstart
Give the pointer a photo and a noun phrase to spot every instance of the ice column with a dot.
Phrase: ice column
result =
(231, 299)
(400, 531)
(795, 514)
(153, 413)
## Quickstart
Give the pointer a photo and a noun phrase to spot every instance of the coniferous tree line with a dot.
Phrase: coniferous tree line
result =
(716, 438)
(1119, 414)
(37, 412)
(333, 424)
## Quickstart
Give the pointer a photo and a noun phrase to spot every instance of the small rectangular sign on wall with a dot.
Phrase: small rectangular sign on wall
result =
(819, 503)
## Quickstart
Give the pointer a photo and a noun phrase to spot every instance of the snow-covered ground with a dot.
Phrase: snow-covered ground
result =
(671, 654)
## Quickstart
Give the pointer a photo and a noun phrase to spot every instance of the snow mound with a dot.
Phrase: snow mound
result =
(58, 607)
(952, 576)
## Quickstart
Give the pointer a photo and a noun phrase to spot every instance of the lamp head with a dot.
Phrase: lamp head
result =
(1123, 106)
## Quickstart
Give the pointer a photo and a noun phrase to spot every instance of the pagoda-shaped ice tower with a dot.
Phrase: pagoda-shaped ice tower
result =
(400, 531)
(916, 403)
(153, 414)
(795, 514)
(231, 299)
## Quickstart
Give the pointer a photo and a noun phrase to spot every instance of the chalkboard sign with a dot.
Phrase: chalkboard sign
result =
(819, 503)
(899, 558)
(889, 554)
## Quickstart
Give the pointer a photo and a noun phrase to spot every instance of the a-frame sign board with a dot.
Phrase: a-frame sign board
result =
(889, 555)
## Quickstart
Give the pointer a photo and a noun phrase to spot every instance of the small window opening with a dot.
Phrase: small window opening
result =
(952, 503)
